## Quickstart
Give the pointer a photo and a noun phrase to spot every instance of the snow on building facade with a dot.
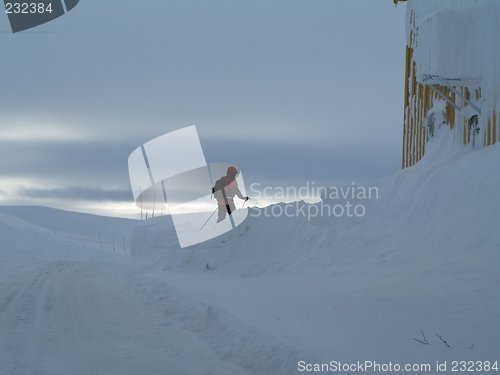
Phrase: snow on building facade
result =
(452, 76)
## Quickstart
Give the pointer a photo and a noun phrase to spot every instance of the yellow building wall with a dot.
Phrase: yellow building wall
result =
(419, 99)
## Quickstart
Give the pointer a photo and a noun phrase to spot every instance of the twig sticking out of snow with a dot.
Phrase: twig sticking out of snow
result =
(211, 265)
(424, 341)
(443, 340)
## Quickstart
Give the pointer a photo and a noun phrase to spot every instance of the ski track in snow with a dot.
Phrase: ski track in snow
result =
(65, 317)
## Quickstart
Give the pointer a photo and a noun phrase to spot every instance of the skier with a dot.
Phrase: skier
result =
(224, 191)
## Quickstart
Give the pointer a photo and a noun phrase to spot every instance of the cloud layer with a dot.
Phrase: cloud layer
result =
(290, 91)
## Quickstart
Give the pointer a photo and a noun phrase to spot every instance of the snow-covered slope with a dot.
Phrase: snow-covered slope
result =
(22, 239)
(447, 207)
(67, 308)
(273, 292)
(425, 257)
(89, 230)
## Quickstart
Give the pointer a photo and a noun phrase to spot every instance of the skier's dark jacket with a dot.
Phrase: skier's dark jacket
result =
(227, 187)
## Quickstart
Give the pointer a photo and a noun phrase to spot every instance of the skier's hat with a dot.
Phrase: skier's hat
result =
(232, 171)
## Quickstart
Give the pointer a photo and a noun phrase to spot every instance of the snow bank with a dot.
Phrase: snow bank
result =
(461, 44)
(152, 235)
(20, 238)
(425, 257)
(457, 40)
(446, 207)
(79, 227)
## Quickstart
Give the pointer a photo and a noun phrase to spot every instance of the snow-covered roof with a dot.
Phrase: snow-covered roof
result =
(456, 40)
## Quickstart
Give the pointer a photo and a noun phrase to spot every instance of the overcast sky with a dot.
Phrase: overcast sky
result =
(289, 90)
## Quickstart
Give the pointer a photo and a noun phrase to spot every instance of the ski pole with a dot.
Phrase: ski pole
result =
(243, 205)
(209, 219)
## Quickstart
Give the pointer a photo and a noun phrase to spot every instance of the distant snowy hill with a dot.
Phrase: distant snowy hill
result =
(22, 239)
(79, 227)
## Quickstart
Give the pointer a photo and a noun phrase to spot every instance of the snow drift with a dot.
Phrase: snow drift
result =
(282, 289)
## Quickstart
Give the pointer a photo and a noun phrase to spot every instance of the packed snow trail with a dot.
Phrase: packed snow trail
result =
(67, 317)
